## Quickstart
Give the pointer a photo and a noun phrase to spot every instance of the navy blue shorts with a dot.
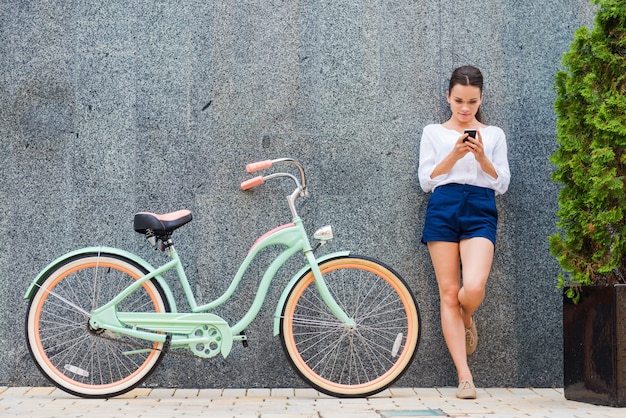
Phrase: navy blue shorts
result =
(460, 211)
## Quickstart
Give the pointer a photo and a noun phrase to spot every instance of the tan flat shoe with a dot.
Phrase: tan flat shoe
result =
(466, 390)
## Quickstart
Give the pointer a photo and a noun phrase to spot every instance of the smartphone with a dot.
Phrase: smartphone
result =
(471, 132)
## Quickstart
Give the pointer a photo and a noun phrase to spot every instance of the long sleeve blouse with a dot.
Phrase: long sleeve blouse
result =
(437, 142)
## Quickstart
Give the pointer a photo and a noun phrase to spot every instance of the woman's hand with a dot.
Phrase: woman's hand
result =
(462, 147)
(476, 147)
(459, 151)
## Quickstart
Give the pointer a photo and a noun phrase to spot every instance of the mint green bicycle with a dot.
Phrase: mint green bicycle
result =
(100, 319)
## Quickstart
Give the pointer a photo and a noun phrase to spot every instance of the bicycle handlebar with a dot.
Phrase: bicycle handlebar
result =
(262, 165)
(300, 190)
(249, 184)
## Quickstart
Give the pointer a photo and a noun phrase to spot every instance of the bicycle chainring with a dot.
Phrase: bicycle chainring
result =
(206, 341)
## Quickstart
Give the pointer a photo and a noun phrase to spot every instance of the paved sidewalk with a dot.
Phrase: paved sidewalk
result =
(297, 403)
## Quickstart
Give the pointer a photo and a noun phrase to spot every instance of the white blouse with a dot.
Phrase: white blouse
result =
(437, 142)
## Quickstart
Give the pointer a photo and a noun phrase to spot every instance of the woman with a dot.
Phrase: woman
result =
(464, 174)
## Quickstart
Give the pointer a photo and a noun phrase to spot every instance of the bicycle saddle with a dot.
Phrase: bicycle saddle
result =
(161, 224)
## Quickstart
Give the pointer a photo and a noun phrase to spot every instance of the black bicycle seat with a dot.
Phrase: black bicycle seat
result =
(161, 224)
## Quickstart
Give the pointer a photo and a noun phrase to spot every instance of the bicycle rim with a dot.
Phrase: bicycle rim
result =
(76, 358)
(354, 362)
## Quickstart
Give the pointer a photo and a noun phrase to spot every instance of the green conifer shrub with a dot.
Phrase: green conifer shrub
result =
(591, 155)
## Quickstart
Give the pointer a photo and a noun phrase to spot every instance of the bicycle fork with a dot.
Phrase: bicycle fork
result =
(325, 293)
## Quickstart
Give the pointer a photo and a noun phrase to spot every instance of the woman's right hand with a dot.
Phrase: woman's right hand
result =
(459, 151)
(463, 146)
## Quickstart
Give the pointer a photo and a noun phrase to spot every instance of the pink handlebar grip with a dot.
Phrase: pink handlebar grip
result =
(261, 165)
(249, 184)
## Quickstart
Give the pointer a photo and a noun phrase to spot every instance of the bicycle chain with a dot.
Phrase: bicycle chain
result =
(164, 350)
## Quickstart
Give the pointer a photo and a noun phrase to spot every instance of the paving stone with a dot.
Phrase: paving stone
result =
(163, 402)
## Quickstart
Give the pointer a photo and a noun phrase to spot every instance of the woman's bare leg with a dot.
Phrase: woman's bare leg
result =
(476, 260)
(458, 304)
(446, 262)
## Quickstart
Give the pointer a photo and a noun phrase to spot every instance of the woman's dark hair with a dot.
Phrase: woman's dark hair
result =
(468, 75)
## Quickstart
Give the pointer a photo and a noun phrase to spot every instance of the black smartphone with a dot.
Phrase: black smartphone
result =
(470, 132)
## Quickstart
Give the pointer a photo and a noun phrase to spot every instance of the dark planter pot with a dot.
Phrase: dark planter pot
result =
(594, 346)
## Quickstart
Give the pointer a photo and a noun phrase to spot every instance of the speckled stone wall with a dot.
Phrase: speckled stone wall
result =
(108, 108)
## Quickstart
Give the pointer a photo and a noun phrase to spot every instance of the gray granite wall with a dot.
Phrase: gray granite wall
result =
(108, 108)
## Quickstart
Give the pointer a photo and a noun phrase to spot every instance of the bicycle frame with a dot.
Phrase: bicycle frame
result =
(156, 326)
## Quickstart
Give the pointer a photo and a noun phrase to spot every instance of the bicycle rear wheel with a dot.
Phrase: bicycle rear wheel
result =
(72, 355)
(359, 361)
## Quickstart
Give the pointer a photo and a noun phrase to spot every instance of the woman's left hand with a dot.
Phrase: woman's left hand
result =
(475, 146)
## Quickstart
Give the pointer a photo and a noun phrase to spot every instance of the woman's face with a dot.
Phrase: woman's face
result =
(464, 102)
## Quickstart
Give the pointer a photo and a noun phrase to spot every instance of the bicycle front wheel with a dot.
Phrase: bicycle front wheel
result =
(78, 359)
(351, 362)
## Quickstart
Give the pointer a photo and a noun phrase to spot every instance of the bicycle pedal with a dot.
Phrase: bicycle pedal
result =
(244, 339)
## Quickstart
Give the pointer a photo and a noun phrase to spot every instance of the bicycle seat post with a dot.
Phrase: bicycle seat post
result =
(167, 244)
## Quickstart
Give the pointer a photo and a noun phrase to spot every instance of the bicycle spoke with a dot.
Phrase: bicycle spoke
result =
(67, 302)
(76, 358)
(359, 360)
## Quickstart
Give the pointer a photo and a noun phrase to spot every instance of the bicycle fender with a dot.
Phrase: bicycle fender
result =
(102, 250)
(292, 283)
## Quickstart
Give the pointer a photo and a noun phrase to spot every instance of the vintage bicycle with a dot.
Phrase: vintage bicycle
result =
(100, 319)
